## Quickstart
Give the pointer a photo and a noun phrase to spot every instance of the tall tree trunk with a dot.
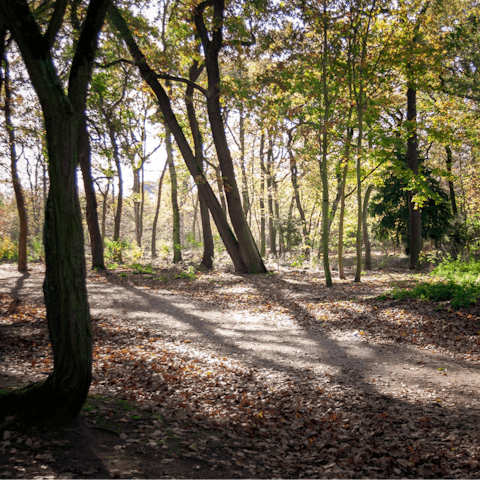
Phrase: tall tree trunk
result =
(177, 248)
(246, 200)
(142, 205)
(228, 237)
(96, 243)
(104, 210)
(248, 249)
(415, 219)
(17, 187)
(61, 395)
(366, 239)
(341, 269)
(208, 245)
(451, 188)
(118, 164)
(323, 163)
(157, 212)
(272, 231)
(136, 205)
(296, 194)
(262, 196)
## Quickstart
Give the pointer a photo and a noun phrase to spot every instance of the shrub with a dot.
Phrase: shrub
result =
(459, 284)
(8, 249)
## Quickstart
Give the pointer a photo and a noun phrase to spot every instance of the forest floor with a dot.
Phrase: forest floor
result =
(219, 375)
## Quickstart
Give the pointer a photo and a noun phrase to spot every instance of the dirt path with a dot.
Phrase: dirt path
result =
(272, 340)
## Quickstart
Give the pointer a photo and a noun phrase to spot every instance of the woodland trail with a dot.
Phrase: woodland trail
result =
(268, 340)
(307, 381)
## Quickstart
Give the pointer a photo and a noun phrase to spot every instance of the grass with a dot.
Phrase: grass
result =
(453, 280)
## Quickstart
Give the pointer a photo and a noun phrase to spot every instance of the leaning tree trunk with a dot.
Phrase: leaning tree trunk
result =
(248, 249)
(228, 237)
(17, 187)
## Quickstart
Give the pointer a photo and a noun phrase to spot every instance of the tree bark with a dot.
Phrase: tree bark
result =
(157, 211)
(17, 187)
(323, 162)
(60, 397)
(208, 245)
(415, 219)
(451, 188)
(366, 239)
(96, 243)
(248, 249)
(262, 196)
(296, 194)
(177, 248)
(341, 269)
(272, 231)
(205, 189)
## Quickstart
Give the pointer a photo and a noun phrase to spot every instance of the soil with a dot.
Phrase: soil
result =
(254, 376)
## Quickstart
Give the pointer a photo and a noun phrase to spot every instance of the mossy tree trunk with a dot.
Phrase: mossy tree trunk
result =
(60, 397)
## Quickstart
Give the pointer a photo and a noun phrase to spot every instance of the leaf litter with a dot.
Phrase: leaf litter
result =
(187, 411)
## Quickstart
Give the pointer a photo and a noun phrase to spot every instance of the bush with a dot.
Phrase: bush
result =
(122, 251)
(36, 250)
(459, 284)
(8, 249)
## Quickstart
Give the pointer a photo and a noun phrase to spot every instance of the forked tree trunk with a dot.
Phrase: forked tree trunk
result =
(61, 395)
(228, 237)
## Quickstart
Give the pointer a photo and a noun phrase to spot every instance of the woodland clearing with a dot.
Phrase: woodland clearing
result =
(219, 375)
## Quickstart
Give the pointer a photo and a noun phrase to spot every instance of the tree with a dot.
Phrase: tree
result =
(390, 205)
(243, 251)
(17, 187)
(61, 396)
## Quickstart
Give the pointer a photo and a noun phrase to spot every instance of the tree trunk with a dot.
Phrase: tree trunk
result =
(136, 205)
(296, 194)
(96, 243)
(246, 200)
(208, 245)
(17, 187)
(341, 270)
(272, 231)
(104, 210)
(157, 211)
(197, 173)
(118, 164)
(61, 395)
(415, 219)
(323, 163)
(262, 196)
(177, 248)
(449, 162)
(366, 240)
(248, 249)
(359, 239)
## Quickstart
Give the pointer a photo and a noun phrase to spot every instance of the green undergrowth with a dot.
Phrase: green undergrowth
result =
(455, 281)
